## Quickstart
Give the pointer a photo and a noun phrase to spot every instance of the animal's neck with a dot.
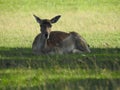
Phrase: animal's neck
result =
(43, 42)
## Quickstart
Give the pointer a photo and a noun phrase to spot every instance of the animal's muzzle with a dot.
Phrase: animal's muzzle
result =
(47, 36)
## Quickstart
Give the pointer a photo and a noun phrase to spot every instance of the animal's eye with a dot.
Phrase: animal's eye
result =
(48, 25)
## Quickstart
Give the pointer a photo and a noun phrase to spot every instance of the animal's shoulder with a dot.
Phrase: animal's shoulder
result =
(56, 37)
(36, 39)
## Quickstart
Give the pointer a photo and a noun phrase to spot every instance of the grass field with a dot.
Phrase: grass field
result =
(98, 21)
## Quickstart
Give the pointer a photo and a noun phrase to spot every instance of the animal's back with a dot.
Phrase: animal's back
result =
(56, 37)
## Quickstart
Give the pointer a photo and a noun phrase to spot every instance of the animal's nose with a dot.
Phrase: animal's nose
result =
(46, 35)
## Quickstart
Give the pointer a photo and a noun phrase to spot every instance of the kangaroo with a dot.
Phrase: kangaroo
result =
(57, 42)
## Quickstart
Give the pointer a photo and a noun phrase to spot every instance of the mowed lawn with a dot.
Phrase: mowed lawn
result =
(98, 21)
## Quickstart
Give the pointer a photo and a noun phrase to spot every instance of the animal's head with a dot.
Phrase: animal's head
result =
(46, 25)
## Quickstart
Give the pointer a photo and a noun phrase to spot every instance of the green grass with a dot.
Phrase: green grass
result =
(50, 75)
(62, 6)
(98, 21)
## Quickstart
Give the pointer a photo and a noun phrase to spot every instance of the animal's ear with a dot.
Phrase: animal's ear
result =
(55, 19)
(37, 19)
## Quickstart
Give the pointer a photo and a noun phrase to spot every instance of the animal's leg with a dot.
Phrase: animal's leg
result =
(56, 50)
(80, 42)
(76, 51)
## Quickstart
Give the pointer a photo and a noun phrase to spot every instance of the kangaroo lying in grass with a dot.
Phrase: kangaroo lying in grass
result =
(57, 42)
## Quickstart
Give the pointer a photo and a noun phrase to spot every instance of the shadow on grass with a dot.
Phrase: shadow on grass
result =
(23, 58)
(74, 84)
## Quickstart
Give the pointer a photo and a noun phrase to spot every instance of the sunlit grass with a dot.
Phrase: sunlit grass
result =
(21, 28)
(59, 5)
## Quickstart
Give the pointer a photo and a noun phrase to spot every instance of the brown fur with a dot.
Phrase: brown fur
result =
(53, 41)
